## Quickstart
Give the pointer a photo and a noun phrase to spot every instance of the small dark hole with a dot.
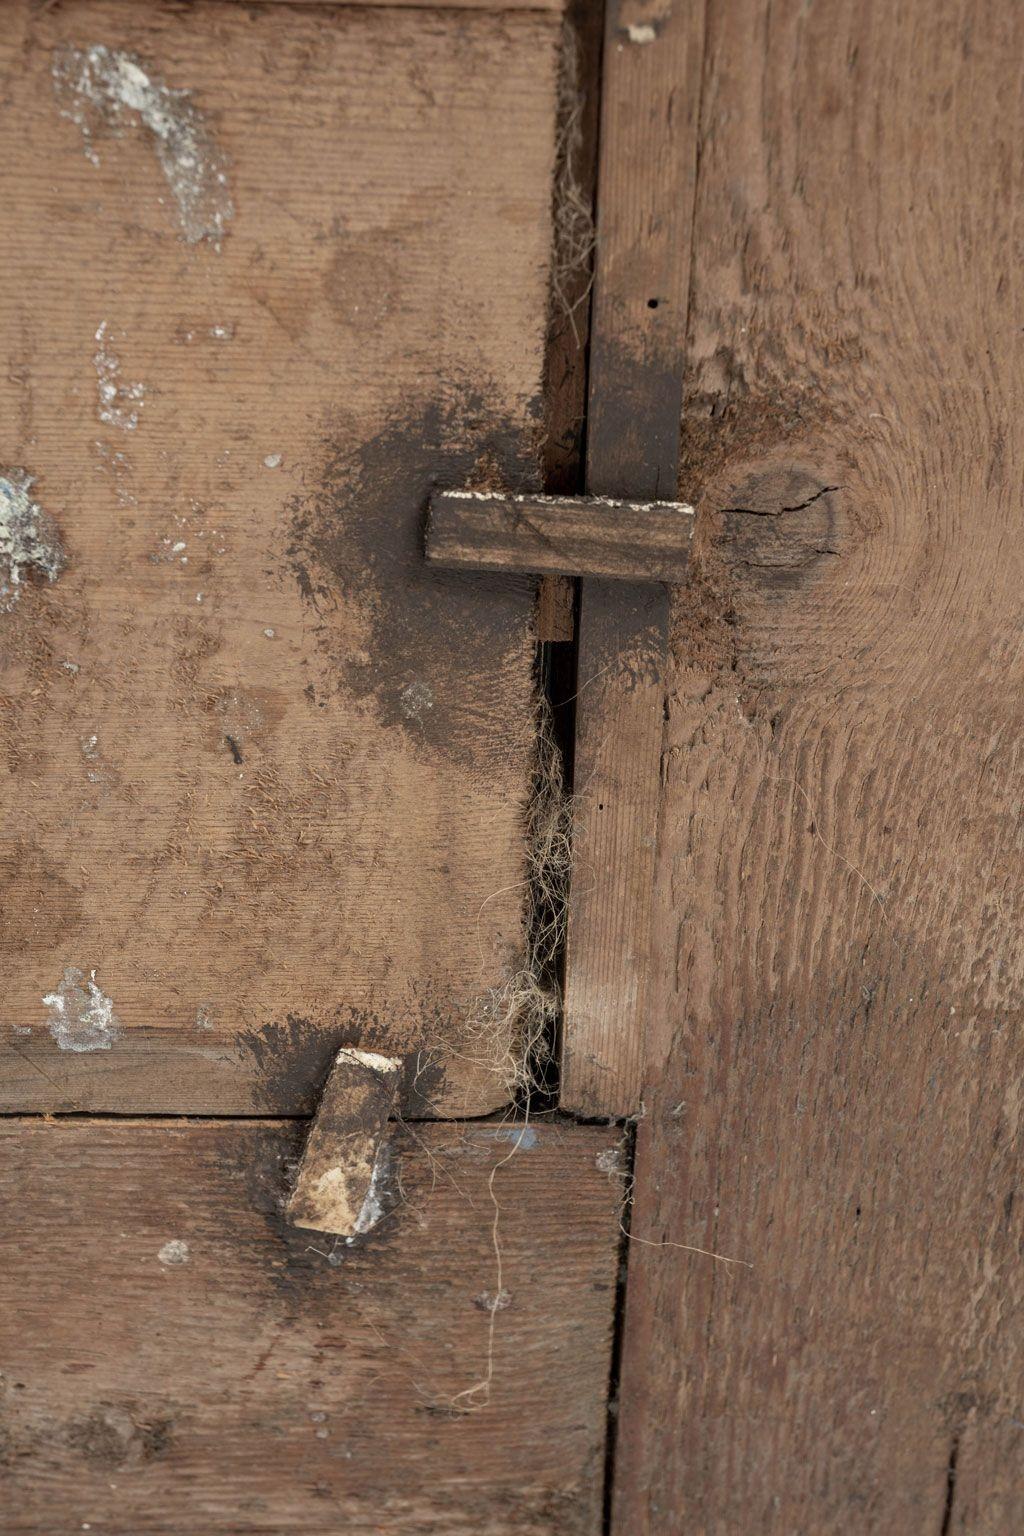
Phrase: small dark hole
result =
(653, 303)
(600, 807)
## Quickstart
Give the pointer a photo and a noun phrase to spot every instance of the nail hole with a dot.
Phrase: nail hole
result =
(653, 303)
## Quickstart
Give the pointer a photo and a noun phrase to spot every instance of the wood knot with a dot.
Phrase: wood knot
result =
(776, 529)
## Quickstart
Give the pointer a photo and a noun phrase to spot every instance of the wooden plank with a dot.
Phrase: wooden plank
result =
(251, 748)
(569, 535)
(429, 5)
(177, 1358)
(346, 1153)
(648, 139)
(836, 1052)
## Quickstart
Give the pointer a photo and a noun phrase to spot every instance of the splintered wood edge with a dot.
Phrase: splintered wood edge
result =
(337, 1188)
(608, 537)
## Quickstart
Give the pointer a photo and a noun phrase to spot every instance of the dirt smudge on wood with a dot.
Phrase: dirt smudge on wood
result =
(440, 644)
(291, 1060)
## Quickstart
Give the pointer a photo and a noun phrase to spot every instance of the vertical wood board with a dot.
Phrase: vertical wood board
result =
(834, 1086)
(649, 111)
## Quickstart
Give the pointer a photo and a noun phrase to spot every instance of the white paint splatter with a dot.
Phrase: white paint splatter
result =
(610, 1161)
(119, 403)
(641, 32)
(99, 88)
(272, 461)
(488, 1301)
(416, 700)
(81, 1017)
(373, 1061)
(29, 540)
(174, 1252)
(270, 633)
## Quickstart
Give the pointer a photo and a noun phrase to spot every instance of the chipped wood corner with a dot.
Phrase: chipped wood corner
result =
(339, 1184)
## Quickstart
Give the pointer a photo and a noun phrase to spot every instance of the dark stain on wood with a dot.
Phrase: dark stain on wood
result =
(437, 643)
(120, 1435)
(292, 1059)
(48, 908)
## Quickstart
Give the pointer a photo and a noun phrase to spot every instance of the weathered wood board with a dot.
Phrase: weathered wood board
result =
(269, 275)
(650, 94)
(834, 1082)
(636, 541)
(176, 1357)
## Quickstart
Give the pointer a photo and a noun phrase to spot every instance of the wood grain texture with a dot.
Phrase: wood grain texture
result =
(251, 748)
(177, 1358)
(430, 5)
(635, 541)
(648, 142)
(836, 1056)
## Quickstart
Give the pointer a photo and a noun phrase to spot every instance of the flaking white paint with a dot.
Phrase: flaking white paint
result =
(119, 402)
(103, 90)
(28, 538)
(80, 1016)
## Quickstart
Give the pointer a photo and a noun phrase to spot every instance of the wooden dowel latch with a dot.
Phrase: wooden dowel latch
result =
(561, 535)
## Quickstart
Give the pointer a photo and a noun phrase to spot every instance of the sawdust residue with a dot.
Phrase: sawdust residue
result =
(105, 90)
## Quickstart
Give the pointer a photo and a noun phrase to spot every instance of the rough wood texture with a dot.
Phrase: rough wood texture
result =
(834, 1090)
(569, 535)
(252, 749)
(345, 1159)
(431, 5)
(649, 107)
(177, 1358)
(572, 258)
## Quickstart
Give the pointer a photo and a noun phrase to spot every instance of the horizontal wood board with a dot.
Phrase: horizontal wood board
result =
(177, 1358)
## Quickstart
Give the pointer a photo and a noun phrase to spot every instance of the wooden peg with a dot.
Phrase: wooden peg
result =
(338, 1188)
(561, 535)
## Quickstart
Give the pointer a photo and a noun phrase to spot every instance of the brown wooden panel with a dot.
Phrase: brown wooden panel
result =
(429, 5)
(580, 535)
(648, 147)
(253, 749)
(177, 1358)
(836, 1056)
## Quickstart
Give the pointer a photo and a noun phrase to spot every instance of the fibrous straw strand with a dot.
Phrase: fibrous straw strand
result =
(573, 217)
(517, 1019)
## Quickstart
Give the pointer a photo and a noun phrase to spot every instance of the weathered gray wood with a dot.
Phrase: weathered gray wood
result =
(561, 535)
